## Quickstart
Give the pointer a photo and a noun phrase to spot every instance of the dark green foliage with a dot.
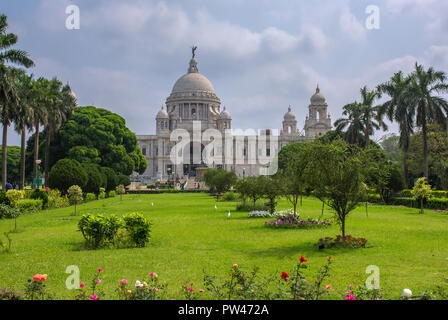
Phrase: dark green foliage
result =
(40, 194)
(4, 199)
(66, 173)
(111, 178)
(124, 180)
(95, 135)
(96, 179)
(219, 180)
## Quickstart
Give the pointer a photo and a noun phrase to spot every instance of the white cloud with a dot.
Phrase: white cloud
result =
(351, 26)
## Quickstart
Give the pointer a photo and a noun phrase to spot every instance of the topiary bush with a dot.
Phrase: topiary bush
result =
(112, 194)
(66, 173)
(29, 205)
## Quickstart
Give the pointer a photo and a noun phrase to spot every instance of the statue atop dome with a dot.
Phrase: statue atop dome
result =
(193, 49)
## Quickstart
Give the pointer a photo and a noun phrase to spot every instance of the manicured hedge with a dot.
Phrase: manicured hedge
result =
(431, 203)
(30, 206)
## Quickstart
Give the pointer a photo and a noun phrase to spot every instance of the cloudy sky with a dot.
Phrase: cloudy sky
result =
(260, 55)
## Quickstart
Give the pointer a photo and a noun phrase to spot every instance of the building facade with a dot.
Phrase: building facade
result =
(194, 105)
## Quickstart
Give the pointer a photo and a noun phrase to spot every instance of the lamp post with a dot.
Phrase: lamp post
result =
(37, 180)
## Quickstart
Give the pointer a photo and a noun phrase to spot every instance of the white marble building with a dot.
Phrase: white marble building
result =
(193, 100)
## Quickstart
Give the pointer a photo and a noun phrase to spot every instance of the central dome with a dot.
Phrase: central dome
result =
(193, 82)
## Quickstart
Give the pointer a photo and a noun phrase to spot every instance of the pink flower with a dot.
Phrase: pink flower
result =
(94, 297)
(82, 285)
(97, 281)
(191, 283)
(155, 289)
(100, 270)
(191, 289)
(124, 281)
(201, 290)
(152, 274)
(350, 286)
(350, 298)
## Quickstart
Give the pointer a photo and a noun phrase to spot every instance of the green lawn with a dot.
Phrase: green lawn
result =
(188, 236)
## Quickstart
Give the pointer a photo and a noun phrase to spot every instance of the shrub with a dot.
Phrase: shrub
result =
(124, 180)
(121, 190)
(406, 193)
(342, 242)
(4, 199)
(14, 196)
(89, 197)
(439, 194)
(66, 173)
(102, 193)
(138, 227)
(40, 194)
(230, 196)
(10, 294)
(7, 212)
(112, 194)
(93, 229)
(55, 200)
(251, 207)
(30, 206)
(421, 192)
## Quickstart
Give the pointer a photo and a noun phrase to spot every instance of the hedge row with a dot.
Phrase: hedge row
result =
(148, 191)
(434, 194)
(431, 203)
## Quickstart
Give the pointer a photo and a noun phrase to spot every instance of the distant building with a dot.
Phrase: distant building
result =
(193, 98)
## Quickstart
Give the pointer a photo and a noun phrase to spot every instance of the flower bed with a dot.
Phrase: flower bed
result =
(340, 242)
(296, 222)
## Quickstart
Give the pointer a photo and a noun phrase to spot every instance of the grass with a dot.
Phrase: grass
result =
(190, 236)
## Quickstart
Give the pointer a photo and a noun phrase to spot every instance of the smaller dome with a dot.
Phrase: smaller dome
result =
(225, 115)
(318, 98)
(162, 114)
(289, 115)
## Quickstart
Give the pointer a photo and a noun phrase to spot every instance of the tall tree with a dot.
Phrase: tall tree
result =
(398, 109)
(424, 99)
(8, 97)
(61, 103)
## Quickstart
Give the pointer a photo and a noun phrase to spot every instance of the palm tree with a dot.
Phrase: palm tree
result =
(353, 122)
(23, 119)
(62, 103)
(8, 97)
(398, 109)
(39, 111)
(424, 100)
(371, 115)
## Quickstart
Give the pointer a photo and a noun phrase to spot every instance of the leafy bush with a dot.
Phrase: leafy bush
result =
(102, 193)
(111, 178)
(14, 196)
(342, 242)
(55, 200)
(75, 195)
(96, 179)
(406, 193)
(230, 196)
(40, 194)
(66, 173)
(4, 199)
(7, 212)
(439, 194)
(89, 197)
(100, 231)
(250, 207)
(30, 205)
(112, 194)
(138, 227)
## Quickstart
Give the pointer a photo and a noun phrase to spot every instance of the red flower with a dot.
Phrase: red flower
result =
(302, 259)
(285, 276)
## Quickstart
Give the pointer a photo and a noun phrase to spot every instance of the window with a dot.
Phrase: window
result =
(144, 151)
(193, 112)
(268, 152)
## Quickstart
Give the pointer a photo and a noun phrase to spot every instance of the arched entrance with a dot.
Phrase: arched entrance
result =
(193, 158)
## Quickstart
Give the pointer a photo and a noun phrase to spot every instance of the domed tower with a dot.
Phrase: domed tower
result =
(162, 122)
(193, 98)
(318, 122)
(224, 120)
(289, 123)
